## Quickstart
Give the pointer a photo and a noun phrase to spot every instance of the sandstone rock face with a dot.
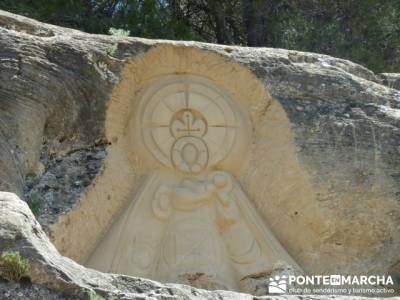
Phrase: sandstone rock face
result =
(322, 166)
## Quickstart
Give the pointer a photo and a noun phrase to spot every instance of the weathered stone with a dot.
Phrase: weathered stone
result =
(61, 183)
(188, 222)
(29, 291)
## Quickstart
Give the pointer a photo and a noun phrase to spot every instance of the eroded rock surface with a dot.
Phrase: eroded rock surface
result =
(59, 278)
(29, 291)
(56, 189)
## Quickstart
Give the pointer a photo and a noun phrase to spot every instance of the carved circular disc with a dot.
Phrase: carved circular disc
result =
(186, 107)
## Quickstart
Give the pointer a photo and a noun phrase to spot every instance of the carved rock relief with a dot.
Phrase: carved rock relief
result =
(191, 219)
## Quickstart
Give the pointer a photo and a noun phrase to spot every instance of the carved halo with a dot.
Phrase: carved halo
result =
(187, 123)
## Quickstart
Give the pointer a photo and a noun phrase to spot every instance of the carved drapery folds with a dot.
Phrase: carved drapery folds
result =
(191, 221)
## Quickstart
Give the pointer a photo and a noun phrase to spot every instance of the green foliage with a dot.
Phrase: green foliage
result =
(93, 296)
(13, 266)
(34, 203)
(112, 49)
(391, 84)
(118, 32)
(367, 32)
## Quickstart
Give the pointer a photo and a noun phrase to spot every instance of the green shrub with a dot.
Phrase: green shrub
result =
(391, 84)
(13, 266)
(118, 32)
(93, 296)
(34, 203)
(112, 49)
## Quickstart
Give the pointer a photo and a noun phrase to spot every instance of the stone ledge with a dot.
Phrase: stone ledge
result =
(20, 231)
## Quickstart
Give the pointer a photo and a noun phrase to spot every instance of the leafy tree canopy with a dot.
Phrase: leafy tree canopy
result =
(367, 31)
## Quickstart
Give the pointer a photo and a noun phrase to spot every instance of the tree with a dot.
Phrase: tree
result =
(367, 32)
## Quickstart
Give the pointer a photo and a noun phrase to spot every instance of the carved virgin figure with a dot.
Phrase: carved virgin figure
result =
(204, 232)
(190, 221)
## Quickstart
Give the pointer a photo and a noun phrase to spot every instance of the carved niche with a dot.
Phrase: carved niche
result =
(190, 220)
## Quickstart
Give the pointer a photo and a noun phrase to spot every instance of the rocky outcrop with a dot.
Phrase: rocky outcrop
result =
(19, 230)
(56, 85)
(58, 277)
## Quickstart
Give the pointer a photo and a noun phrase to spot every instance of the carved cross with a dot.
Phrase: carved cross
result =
(189, 120)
